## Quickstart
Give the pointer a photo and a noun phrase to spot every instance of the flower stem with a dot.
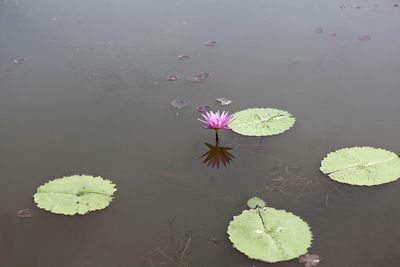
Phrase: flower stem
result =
(216, 135)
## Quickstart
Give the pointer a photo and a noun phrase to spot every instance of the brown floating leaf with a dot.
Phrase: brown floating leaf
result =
(318, 30)
(180, 103)
(183, 57)
(224, 101)
(364, 38)
(310, 260)
(211, 43)
(203, 108)
(172, 78)
(19, 60)
(25, 213)
(199, 77)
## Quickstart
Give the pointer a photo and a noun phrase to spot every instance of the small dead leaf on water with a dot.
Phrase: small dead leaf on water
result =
(309, 260)
(211, 43)
(203, 108)
(25, 213)
(224, 101)
(19, 60)
(318, 30)
(180, 103)
(198, 77)
(172, 78)
(300, 61)
(364, 38)
(183, 57)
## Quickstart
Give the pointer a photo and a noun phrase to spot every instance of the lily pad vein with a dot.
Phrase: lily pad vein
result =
(371, 164)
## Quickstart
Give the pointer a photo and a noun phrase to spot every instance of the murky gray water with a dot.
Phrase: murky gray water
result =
(89, 96)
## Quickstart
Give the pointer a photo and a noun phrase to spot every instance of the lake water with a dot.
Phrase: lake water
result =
(87, 95)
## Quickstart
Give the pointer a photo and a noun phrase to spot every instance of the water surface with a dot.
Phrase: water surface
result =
(90, 97)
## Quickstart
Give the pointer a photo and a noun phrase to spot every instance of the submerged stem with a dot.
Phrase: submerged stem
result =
(216, 135)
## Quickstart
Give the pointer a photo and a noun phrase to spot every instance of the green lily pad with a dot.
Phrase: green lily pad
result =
(270, 235)
(77, 194)
(255, 202)
(261, 121)
(362, 166)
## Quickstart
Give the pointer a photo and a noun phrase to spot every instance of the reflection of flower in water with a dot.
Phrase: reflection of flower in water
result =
(217, 155)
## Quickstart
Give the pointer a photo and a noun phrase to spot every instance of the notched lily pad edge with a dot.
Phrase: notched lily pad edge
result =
(249, 210)
(290, 115)
(346, 183)
(77, 213)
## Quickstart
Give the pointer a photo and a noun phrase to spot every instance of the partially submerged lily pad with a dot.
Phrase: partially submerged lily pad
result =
(270, 235)
(362, 166)
(77, 194)
(255, 202)
(261, 121)
(180, 103)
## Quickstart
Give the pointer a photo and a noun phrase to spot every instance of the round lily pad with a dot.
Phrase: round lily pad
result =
(270, 235)
(362, 166)
(255, 202)
(261, 121)
(77, 194)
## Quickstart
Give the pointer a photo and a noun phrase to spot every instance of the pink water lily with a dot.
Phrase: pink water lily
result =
(216, 120)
